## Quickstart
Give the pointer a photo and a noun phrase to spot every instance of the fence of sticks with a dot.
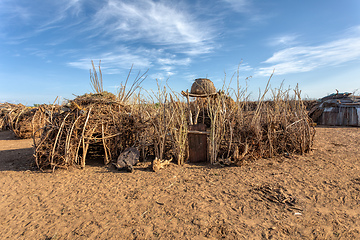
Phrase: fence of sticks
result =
(102, 126)
(243, 130)
(99, 128)
(96, 126)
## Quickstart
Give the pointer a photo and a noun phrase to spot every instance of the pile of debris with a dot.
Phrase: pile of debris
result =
(337, 109)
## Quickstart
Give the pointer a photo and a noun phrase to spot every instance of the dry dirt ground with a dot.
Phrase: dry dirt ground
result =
(316, 196)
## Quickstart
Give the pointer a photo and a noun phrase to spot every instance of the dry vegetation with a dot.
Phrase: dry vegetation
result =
(102, 125)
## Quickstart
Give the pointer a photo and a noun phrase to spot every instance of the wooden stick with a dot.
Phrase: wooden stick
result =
(81, 139)
(67, 143)
(57, 138)
(188, 101)
(104, 144)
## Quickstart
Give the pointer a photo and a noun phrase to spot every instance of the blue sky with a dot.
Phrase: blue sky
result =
(46, 47)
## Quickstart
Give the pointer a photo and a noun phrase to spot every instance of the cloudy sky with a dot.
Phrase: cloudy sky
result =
(46, 47)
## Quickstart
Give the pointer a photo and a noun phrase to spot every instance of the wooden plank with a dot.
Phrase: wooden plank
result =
(198, 149)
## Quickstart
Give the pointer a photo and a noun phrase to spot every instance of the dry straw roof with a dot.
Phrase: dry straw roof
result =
(202, 87)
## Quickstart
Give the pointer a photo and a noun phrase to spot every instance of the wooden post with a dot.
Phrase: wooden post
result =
(188, 100)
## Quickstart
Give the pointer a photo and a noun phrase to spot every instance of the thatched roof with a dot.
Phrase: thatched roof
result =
(203, 86)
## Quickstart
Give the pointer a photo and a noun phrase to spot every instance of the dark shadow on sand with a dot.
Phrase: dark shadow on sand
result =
(17, 159)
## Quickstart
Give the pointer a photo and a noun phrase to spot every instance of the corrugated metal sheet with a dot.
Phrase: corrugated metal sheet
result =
(341, 116)
(337, 109)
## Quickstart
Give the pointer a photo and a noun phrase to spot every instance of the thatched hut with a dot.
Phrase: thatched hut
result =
(22, 120)
(92, 125)
(338, 109)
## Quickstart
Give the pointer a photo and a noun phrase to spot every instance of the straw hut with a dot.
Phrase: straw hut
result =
(90, 126)
(20, 119)
(337, 109)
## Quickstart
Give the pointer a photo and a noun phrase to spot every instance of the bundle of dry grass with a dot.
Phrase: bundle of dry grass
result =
(165, 136)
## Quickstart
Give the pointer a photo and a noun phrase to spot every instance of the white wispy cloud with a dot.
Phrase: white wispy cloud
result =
(112, 63)
(174, 61)
(243, 68)
(169, 25)
(34, 18)
(283, 40)
(248, 9)
(9, 10)
(123, 57)
(307, 58)
(142, 26)
(170, 64)
(42, 53)
(239, 5)
(63, 10)
(166, 23)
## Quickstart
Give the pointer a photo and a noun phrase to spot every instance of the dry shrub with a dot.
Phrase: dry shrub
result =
(167, 132)
(246, 130)
(5, 109)
(179, 130)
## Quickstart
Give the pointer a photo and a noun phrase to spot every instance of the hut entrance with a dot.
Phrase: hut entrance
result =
(197, 135)
(95, 154)
(197, 143)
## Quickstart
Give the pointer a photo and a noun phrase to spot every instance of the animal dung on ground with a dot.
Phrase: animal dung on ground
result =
(128, 159)
(276, 194)
(159, 164)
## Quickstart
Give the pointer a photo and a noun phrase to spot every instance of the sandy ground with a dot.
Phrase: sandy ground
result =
(316, 196)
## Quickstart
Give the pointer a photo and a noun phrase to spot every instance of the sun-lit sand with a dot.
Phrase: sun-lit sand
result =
(316, 196)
